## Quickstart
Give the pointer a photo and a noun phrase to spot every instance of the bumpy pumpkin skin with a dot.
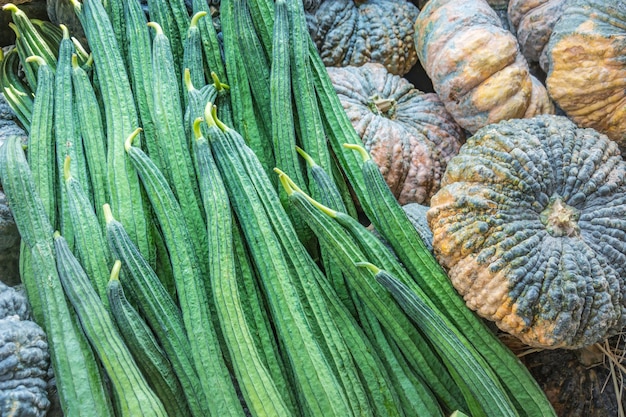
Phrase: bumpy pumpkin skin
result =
(587, 65)
(351, 32)
(532, 22)
(530, 224)
(475, 64)
(408, 133)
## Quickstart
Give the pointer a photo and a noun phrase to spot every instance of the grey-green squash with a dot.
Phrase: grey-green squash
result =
(353, 32)
(529, 223)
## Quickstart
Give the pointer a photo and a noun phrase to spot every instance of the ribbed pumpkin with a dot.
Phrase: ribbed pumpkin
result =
(530, 224)
(353, 32)
(407, 132)
(587, 65)
(475, 64)
(532, 22)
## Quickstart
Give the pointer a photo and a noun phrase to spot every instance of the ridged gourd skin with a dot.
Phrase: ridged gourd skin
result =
(408, 133)
(587, 65)
(532, 22)
(475, 64)
(529, 223)
(353, 32)
(24, 358)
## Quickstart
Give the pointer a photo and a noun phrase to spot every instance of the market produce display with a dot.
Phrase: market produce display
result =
(245, 208)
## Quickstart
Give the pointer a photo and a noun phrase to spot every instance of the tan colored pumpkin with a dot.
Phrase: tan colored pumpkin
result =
(409, 133)
(587, 65)
(475, 64)
(532, 22)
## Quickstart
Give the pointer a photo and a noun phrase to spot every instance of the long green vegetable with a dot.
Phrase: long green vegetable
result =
(79, 382)
(190, 285)
(133, 395)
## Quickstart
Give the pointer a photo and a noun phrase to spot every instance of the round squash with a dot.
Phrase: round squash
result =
(408, 133)
(532, 22)
(530, 223)
(353, 32)
(587, 65)
(475, 64)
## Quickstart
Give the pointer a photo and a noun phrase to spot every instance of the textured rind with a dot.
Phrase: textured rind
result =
(532, 22)
(411, 139)
(24, 363)
(587, 65)
(475, 64)
(348, 32)
(548, 289)
(13, 303)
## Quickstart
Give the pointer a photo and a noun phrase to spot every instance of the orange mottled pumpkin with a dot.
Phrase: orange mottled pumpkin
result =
(408, 133)
(475, 64)
(587, 65)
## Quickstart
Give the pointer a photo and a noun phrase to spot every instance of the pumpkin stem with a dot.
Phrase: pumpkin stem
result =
(383, 106)
(560, 219)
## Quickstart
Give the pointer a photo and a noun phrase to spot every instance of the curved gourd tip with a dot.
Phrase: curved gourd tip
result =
(187, 80)
(10, 7)
(375, 270)
(208, 114)
(196, 17)
(156, 27)
(15, 29)
(108, 214)
(78, 6)
(284, 181)
(360, 149)
(217, 83)
(74, 61)
(307, 158)
(37, 60)
(56, 235)
(197, 127)
(115, 270)
(129, 140)
(218, 122)
(67, 174)
(65, 31)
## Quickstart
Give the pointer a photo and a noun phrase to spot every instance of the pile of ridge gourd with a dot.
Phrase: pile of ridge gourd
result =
(195, 207)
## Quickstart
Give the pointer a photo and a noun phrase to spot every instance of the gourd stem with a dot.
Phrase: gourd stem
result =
(286, 181)
(187, 80)
(65, 30)
(308, 159)
(208, 114)
(219, 86)
(35, 58)
(156, 27)
(360, 149)
(196, 17)
(375, 270)
(108, 214)
(197, 131)
(66, 168)
(129, 141)
(115, 270)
